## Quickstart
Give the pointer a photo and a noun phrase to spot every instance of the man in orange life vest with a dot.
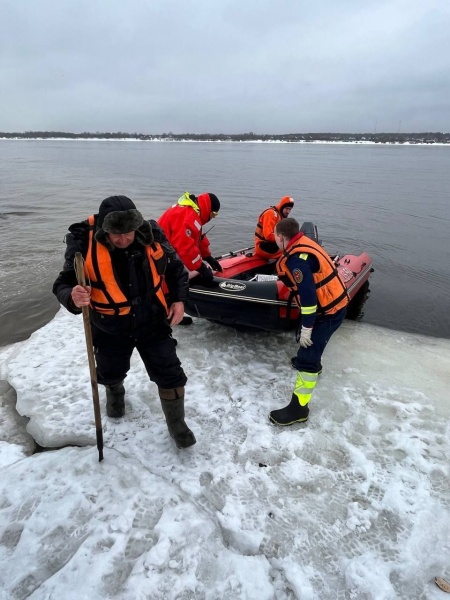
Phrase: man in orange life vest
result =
(265, 244)
(310, 273)
(137, 285)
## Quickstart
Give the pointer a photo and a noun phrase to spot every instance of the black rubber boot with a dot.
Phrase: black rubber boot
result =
(115, 400)
(172, 402)
(186, 321)
(290, 414)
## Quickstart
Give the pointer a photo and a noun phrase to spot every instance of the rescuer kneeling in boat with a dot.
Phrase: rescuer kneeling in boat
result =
(136, 291)
(265, 244)
(307, 270)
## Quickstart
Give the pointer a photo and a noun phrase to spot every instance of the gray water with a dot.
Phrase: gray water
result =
(391, 201)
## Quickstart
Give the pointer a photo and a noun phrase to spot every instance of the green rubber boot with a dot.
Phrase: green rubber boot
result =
(172, 402)
(115, 400)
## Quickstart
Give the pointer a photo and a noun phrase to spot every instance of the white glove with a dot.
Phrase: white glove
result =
(305, 337)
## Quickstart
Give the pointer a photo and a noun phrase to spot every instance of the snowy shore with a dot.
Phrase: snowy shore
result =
(354, 504)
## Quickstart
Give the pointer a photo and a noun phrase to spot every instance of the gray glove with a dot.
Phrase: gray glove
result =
(305, 337)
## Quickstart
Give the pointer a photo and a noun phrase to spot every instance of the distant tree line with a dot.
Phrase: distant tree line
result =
(379, 138)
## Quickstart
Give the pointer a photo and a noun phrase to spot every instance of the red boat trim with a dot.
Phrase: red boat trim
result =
(358, 278)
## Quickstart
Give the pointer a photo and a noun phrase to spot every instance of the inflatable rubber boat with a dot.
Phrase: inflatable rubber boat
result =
(248, 293)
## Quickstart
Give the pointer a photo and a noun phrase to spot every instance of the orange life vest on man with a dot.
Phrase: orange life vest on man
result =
(265, 245)
(269, 217)
(106, 296)
(273, 214)
(331, 292)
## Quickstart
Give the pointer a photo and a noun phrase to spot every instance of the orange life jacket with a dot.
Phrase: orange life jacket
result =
(106, 296)
(330, 289)
(259, 225)
(269, 218)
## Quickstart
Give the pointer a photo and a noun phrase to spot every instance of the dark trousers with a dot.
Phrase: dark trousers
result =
(309, 359)
(269, 247)
(113, 354)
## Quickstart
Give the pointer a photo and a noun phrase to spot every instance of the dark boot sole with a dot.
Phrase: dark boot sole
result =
(272, 420)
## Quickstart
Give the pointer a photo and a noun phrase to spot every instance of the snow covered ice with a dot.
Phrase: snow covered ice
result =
(355, 504)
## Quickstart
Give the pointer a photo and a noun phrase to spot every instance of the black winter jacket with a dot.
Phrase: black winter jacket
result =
(147, 318)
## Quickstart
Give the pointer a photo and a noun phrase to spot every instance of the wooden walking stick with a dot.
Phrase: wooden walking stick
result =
(79, 270)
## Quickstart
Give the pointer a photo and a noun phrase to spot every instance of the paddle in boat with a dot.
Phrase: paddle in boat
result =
(249, 294)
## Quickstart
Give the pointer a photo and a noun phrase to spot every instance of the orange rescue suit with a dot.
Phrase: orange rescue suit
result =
(265, 227)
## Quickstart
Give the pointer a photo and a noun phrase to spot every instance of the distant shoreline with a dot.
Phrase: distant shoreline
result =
(423, 138)
(211, 141)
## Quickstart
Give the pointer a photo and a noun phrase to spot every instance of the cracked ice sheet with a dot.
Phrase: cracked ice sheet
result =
(355, 504)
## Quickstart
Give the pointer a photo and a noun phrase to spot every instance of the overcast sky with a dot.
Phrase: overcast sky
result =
(230, 66)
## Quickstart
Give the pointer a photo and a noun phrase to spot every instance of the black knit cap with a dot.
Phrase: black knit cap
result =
(215, 204)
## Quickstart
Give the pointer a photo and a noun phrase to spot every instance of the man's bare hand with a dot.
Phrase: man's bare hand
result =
(81, 296)
(176, 312)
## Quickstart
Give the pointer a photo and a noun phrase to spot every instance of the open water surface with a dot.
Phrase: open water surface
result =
(391, 201)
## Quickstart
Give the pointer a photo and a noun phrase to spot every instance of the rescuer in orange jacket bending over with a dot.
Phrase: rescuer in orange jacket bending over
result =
(318, 290)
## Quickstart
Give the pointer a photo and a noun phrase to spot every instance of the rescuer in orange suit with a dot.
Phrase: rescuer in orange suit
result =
(265, 245)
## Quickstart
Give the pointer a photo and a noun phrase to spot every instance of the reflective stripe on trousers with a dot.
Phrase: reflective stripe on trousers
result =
(304, 386)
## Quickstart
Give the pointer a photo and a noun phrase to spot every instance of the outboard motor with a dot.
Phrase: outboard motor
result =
(309, 229)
